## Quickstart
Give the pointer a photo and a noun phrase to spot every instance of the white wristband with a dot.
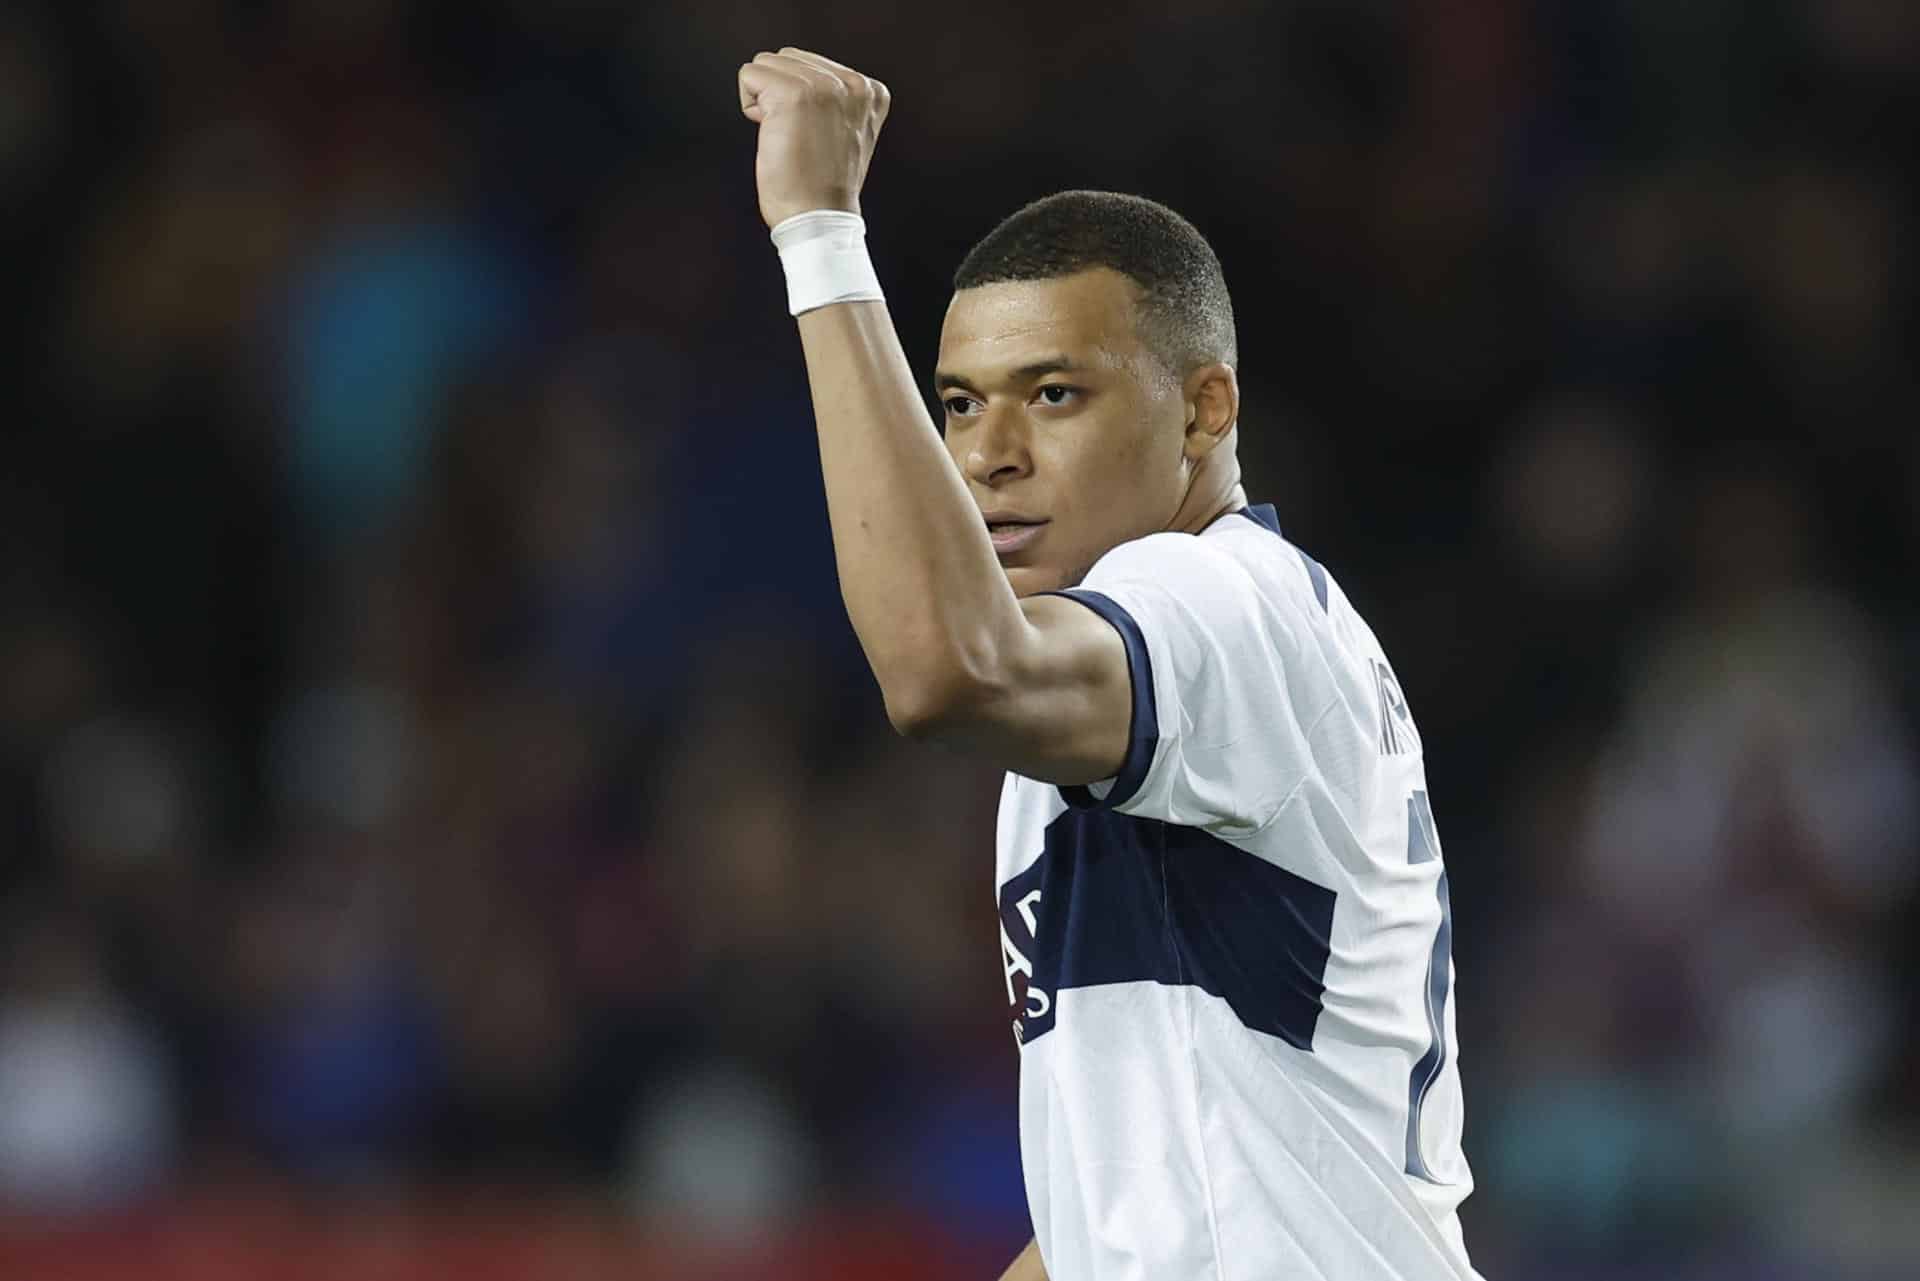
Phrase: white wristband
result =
(824, 253)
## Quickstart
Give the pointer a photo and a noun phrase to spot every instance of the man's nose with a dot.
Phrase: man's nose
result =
(999, 453)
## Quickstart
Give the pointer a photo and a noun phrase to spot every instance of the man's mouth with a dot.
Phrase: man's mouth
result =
(1012, 532)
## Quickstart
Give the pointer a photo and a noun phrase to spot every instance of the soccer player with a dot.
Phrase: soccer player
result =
(1223, 910)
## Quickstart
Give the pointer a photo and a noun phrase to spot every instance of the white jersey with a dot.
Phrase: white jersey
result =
(1230, 965)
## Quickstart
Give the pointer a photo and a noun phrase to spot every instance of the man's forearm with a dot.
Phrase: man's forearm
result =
(918, 573)
(1027, 1267)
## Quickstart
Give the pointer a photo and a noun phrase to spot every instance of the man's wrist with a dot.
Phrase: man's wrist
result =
(824, 255)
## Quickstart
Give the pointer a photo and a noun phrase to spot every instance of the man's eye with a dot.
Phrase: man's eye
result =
(1057, 394)
(957, 405)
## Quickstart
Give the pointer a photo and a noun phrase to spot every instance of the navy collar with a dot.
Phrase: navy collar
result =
(1263, 515)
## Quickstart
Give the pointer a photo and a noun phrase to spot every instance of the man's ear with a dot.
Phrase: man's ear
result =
(1212, 396)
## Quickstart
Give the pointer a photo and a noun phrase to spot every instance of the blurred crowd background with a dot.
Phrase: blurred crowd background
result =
(438, 785)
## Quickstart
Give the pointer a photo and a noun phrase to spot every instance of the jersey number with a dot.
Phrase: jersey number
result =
(1423, 846)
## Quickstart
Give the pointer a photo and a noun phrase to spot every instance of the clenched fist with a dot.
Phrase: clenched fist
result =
(818, 125)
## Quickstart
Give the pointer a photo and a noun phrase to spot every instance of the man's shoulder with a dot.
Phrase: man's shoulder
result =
(1171, 560)
(1236, 561)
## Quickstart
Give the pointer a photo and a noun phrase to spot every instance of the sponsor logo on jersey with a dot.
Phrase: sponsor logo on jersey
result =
(1024, 1001)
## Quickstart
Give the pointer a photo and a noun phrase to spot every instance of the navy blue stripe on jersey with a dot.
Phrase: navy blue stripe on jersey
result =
(1117, 899)
(1423, 846)
(1143, 726)
(1423, 842)
(1317, 575)
(1264, 515)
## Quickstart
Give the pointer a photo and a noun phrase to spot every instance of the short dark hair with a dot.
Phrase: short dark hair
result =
(1185, 315)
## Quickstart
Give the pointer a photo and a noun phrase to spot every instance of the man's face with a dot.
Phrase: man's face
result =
(1067, 429)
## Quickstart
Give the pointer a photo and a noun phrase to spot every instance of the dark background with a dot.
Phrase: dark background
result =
(435, 770)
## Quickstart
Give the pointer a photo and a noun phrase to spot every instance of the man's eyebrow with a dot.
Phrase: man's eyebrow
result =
(1024, 373)
(1041, 368)
(943, 380)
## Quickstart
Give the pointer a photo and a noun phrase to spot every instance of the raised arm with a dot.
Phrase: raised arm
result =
(1039, 686)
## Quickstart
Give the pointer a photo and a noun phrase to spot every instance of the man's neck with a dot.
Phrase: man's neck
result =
(1213, 490)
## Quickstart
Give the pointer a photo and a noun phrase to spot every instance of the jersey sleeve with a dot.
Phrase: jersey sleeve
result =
(1217, 739)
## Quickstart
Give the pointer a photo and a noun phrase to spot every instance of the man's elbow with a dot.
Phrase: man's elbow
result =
(932, 705)
(936, 686)
(920, 709)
